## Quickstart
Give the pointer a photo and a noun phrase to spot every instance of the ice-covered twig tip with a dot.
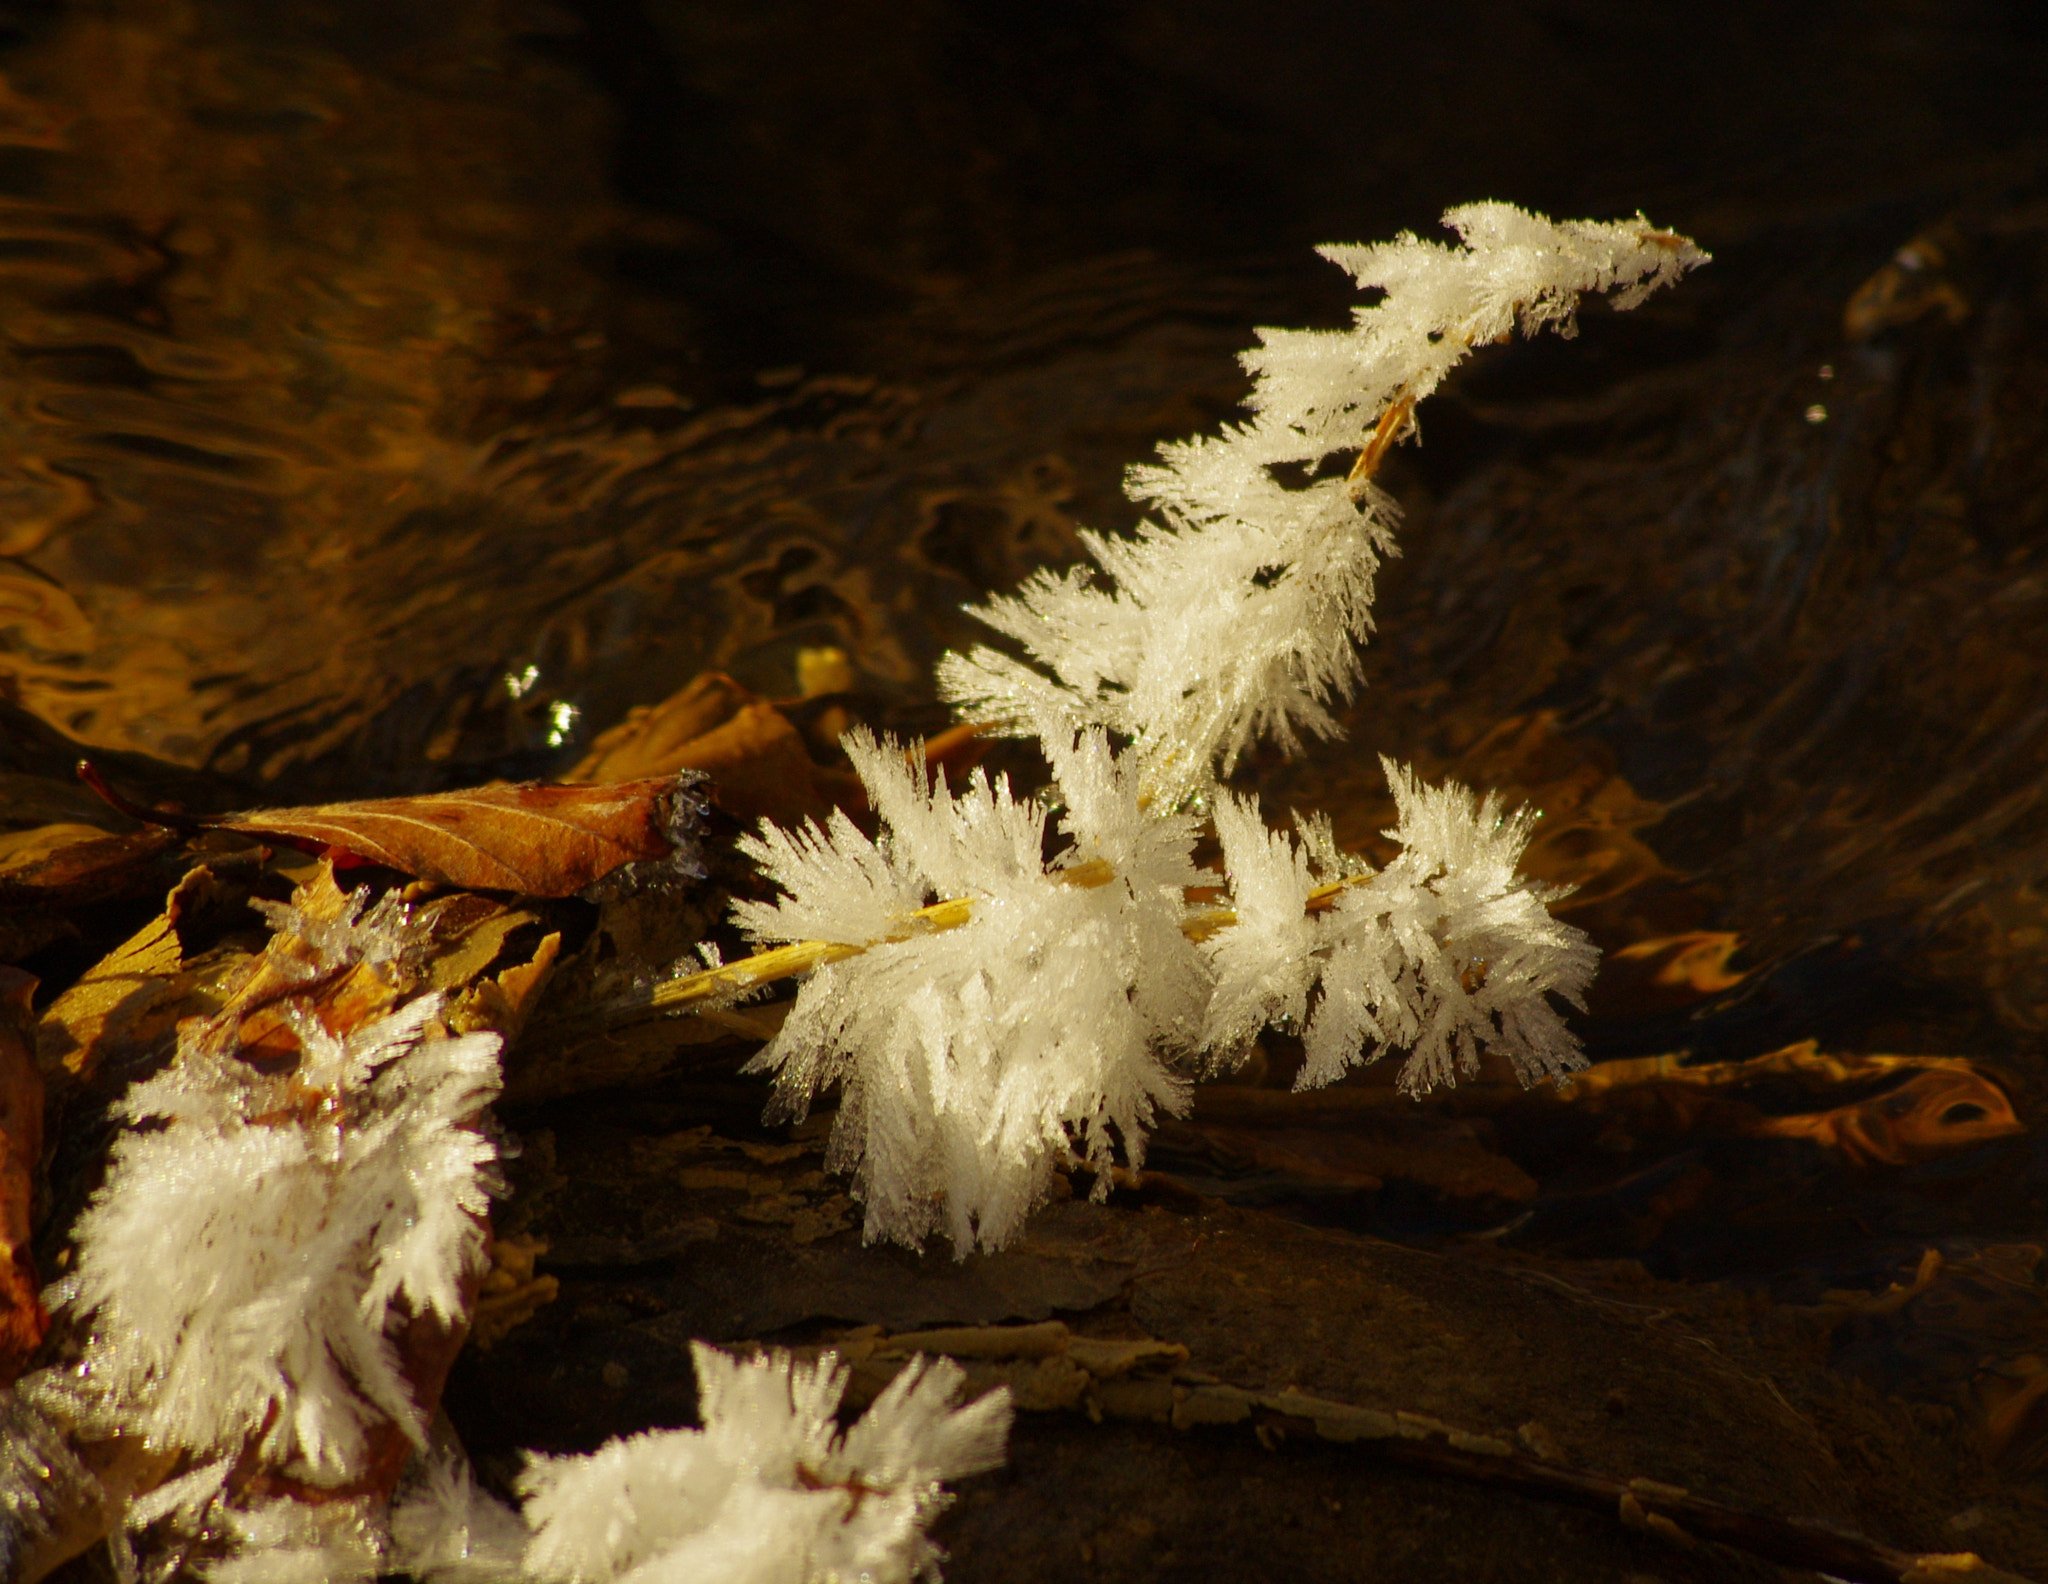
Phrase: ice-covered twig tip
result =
(768, 1491)
(1237, 611)
(1049, 1008)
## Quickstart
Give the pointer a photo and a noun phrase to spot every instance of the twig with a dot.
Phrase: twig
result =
(712, 987)
(1144, 1380)
(1676, 1514)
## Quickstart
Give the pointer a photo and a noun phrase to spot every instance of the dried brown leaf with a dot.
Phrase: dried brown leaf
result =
(22, 1321)
(760, 768)
(530, 837)
(652, 737)
(68, 865)
(125, 1002)
(756, 758)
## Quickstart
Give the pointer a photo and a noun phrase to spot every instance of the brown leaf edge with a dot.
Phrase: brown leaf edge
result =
(534, 838)
(22, 1320)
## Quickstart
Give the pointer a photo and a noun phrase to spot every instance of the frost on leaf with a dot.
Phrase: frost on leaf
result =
(281, 1541)
(1237, 612)
(767, 1492)
(446, 1530)
(313, 1206)
(972, 1060)
(1446, 952)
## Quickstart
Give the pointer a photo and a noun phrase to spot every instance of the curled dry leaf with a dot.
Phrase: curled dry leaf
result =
(22, 1321)
(69, 865)
(527, 837)
(755, 757)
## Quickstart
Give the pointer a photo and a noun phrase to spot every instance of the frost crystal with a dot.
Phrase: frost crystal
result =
(444, 1529)
(281, 1541)
(985, 1013)
(1445, 951)
(972, 1059)
(1238, 612)
(767, 1492)
(311, 1211)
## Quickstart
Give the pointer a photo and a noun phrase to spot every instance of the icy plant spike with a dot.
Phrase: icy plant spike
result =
(768, 1491)
(1056, 1018)
(722, 984)
(1237, 612)
(973, 1059)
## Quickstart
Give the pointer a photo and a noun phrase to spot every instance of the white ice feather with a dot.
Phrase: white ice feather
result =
(281, 1541)
(970, 1061)
(768, 1491)
(309, 1211)
(1238, 613)
(1446, 951)
(443, 1528)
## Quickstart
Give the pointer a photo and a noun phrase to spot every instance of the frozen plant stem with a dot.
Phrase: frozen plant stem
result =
(714, 987)
(986, 1014)
(720, 985)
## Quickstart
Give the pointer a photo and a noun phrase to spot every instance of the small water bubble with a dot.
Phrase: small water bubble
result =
(1827, 371)
(561, 722)
(1816, 414)
(520, 683)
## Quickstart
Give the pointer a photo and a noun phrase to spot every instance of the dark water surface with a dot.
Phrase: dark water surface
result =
(361, 356)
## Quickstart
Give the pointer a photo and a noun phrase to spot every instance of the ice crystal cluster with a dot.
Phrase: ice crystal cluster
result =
(334, 1199)
(768, 1491)
(268, 1228)
(262, 1235)
(972, 1056)
(1440, 951)
(1063, 1014)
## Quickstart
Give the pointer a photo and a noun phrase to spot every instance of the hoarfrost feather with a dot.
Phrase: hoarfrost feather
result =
(971, 1060)
(306, 1208)
(281, 1541)
(445, 1530)
(1446, 951)
(1237, 614)
(767, 1492)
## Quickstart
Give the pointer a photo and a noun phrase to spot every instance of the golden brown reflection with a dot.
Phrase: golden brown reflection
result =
(1933, 1104)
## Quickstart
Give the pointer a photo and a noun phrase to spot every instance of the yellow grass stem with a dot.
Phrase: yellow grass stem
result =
(712, 985)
